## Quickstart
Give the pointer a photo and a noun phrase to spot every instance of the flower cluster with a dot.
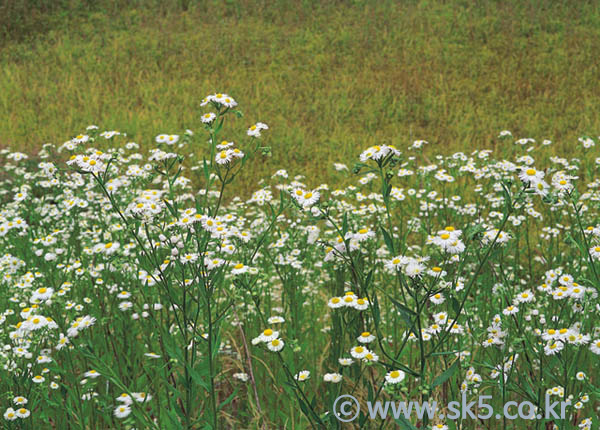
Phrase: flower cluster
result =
(138, 284)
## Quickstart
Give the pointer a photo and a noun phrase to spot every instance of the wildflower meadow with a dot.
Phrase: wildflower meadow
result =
(142, 290)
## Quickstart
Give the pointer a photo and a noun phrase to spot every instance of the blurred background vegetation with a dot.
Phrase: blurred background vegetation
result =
(329, 77)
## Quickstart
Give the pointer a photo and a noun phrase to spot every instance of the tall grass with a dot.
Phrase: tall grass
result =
(337, 76)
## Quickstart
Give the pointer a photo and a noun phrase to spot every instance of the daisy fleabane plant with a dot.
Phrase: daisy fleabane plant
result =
(186, 250)
(144, 286)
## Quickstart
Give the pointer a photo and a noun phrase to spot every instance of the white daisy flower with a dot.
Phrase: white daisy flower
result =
(122, 411)
(268, 335)
(275, 345)
(209, 117)
(365, 337)
(302, 375)
(332, 377)
(359, 352)
(395, 377)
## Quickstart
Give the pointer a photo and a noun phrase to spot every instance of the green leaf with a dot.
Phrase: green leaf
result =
(206, 169)
(473, 231)
(376, 310)
(198, 379)
(170, 207)
(385, 190)
(444, 353)
(228, 400)
(406, 315)
(404, 423)
(446, 375)
(369, 278)
(388, 240)
(174, 419)
(507, 198)
(455, 305)
(305, 409)
(401, 307)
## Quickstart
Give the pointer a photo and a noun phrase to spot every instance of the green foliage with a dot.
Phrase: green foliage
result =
(331, 77)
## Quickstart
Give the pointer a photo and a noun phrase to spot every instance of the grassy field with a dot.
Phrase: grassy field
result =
(171, 290)
(331, 77)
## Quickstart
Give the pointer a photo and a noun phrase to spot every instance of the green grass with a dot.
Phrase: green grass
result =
(330, 78)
